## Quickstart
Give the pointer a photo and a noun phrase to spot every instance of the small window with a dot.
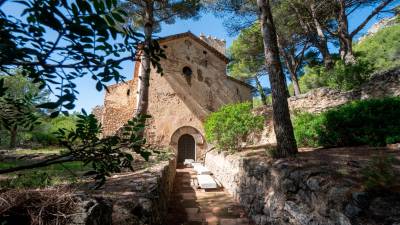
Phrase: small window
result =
(187, 71)
(204, 52)
(128, 92)
(165, 46)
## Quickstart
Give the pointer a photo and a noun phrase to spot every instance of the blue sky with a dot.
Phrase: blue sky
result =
(207, 24)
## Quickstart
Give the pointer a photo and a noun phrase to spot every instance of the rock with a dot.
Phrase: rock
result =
(351, 210)
(96, 211)
(313, 183)
(385, 207)
(300, 194)
(342, 219)
(299, 212)
(361, 199)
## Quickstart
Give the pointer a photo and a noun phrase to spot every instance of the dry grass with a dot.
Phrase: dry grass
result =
(36, 207)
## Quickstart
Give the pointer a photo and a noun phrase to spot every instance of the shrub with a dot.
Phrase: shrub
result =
(308, 128)
(229, 126)
(372, 122)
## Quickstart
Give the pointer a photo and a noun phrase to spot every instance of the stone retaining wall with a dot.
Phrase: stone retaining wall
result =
(129, 199)
(385, 84)
(298, 192)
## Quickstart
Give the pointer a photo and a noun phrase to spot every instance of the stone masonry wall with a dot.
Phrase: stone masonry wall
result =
(384, 84)
(301, 191)
(129, 199)
(119, 106)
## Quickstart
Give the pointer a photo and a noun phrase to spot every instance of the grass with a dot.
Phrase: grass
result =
(45, 151)
(52, 175)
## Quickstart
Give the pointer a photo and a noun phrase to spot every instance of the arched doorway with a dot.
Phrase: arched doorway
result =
(186, 148)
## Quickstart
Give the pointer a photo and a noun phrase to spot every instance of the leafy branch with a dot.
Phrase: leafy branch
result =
(105, 155)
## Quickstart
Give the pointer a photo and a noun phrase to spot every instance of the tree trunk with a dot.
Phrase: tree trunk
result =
(13, 136)
(261, 91)
(322, 44)
(345, 40)
(142, 101)
(286, 143)
(295, 82)
(292, 66)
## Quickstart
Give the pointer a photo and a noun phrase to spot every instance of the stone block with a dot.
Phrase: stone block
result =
(206, 182)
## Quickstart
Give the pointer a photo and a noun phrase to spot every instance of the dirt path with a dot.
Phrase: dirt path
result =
(191, 206)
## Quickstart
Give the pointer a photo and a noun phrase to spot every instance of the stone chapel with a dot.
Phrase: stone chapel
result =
(194, 84)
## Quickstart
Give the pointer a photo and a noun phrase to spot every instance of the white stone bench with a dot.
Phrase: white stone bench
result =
(194, 164)
(188, 162)
(201, 170)
(206, 182)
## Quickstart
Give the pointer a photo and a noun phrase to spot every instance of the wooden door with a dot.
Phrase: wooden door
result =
(186, 148)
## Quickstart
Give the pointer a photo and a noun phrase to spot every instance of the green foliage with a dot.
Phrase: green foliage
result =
(230, 125)
(42, 177)
(247, 53)
(369, 122)
(376, 53)
(17, 106)
(379, 174)
(105, 155)
(164, 11)
(44, 134)
(381, 50)
(341, 77)
(56, 42)
(308, 129)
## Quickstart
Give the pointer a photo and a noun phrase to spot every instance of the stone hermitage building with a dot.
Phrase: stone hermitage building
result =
(194, 84)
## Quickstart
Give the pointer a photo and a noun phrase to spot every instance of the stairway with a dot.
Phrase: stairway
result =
(192, 206)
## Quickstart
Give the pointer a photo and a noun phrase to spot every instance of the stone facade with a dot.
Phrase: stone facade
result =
(179, 101)
(321, 190)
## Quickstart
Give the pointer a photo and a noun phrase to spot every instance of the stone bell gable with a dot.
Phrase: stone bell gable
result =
(194, 84)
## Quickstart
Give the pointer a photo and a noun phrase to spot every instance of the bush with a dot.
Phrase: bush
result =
(308, 129)
(372, 122)
(229, 126)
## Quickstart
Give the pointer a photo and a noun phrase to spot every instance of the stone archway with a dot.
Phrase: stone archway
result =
(187, 133)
